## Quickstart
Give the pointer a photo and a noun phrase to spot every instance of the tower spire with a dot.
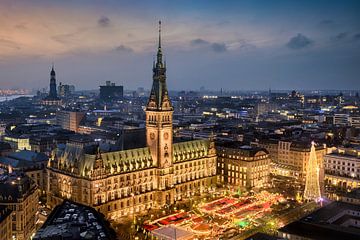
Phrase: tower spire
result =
(159, 53)
(52, 72)
(159, 34)
(159, 98)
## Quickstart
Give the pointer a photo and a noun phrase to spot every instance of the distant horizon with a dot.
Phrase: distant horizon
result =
(205, 90)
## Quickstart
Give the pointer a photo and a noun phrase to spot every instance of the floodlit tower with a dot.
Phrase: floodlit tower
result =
(312, 185)
(159, 133)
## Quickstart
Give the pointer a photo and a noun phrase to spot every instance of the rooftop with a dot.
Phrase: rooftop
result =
(15, 186)
(24, 159)
(72, 220)
(263, 236)
(327, 223)
(172, 232)
(354, 194)
(240, 148)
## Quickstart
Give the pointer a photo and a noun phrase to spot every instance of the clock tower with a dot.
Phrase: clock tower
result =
(159, 134)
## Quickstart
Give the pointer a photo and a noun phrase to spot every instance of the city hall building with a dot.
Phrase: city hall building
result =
(120, 183)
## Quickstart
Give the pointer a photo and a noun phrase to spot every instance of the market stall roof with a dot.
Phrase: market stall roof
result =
(172, 232)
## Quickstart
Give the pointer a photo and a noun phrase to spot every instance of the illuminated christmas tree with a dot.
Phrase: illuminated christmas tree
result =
(312, 184)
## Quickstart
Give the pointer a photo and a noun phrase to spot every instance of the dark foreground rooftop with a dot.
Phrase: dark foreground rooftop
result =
(338, 220)
(263, 236)
(71, 220)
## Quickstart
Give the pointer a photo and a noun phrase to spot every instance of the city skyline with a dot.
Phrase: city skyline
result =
(179, 120)
(246, 46)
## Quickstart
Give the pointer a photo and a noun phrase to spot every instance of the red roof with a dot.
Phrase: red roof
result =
(164, 222)
(150, 227)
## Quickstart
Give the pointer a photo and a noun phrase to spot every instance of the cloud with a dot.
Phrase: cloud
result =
(299, 41)
(67, 38)
(356, 37)
(20, 26)
(218, 47)
(198, 41)
(123, 48)
(62, 38)
(104, 21)
(327, 24)
(9, 44)
(247, 46)
(340, 36)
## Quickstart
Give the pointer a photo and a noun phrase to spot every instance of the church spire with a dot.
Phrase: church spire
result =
(53, 92)
(159, 53)
(52, 73)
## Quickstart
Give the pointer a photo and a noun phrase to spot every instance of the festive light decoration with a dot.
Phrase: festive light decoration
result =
(312, 184)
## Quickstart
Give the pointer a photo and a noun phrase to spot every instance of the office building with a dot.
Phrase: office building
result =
(111, 92)
(69, 120)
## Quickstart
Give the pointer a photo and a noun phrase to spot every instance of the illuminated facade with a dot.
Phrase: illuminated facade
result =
(19, 194)
(5, 223)
(246, 167)
(130, 181)
(21, 142)
(69, 120)
(290, 158)
(342, 168)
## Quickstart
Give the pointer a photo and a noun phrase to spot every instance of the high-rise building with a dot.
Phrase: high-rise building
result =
(52, 98)
(65, 90)
(69, 120)
(110, 91)
(121, 183)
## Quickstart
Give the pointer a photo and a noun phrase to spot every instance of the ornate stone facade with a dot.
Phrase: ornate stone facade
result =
(126, 182)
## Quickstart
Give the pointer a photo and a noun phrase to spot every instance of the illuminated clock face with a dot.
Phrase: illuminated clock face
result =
(152, 136)
(166, 135)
